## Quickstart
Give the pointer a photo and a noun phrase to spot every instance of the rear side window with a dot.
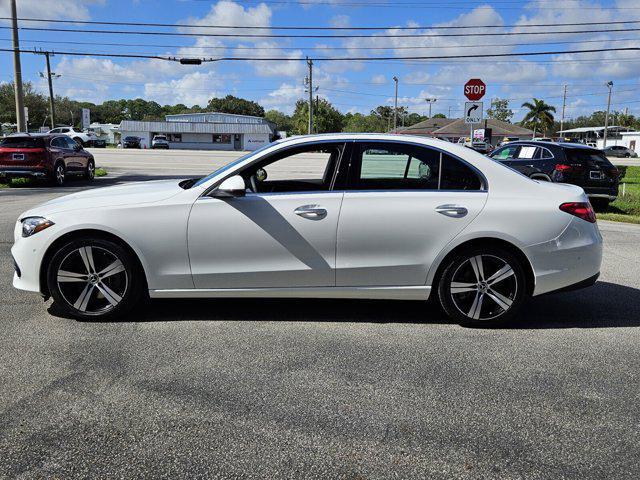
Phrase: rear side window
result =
(507, 153)
(59, 142)
(391, 166)
(586, 156)
(21, 142)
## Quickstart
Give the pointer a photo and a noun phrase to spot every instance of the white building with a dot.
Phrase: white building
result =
(631, 140)
(595, 135)
(204, 131)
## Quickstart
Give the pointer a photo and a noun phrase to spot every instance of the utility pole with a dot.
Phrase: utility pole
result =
(310, 64)
(449, 112)
(606, 117)
(51, 98)
(564, 104)
(395, 107)
(430, 101)
(17, 71)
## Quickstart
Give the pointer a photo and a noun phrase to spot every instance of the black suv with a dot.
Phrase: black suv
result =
(580, 165)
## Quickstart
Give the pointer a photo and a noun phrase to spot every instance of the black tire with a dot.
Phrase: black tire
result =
(462, 306)
(627, 155)
(91, 291)
(90, 171)
(59, 175)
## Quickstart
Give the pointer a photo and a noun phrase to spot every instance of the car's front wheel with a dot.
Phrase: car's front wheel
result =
(482, 287)
(59, 174)
(93, 278)
(90, 172)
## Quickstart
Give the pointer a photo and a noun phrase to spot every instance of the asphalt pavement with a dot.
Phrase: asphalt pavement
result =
(319, 389)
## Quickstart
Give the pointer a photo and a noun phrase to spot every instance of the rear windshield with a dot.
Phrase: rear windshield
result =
(584, 155)
(131, 138)
(21, 142)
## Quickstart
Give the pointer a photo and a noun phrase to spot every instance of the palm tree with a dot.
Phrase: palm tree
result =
(539, 115)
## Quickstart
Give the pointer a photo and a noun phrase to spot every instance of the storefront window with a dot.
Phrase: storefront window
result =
(221, 138)
(175, 137)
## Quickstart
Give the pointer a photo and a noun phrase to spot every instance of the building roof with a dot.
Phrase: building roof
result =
(458, 128)
(214, 117)
(425, 127)
(591, 129)
(195, 127)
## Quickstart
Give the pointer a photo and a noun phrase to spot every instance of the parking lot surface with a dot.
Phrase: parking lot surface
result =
(318, 389)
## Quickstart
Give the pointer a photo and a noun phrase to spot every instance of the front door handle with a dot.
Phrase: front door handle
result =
(454, 211)
(312, 212)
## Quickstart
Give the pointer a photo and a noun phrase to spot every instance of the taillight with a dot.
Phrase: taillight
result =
(583, 210)
(565, 168)
(613, 172)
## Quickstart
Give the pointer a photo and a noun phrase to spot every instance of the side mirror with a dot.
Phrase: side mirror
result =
(231, 187)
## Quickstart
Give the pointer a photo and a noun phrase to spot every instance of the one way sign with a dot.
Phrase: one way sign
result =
(472, 112)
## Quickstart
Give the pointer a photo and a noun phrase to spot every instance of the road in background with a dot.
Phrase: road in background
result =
(317, 388)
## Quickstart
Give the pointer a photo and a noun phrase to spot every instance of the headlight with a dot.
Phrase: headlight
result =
(32, 225)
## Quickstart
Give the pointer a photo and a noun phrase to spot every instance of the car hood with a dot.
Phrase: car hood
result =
(129, 194)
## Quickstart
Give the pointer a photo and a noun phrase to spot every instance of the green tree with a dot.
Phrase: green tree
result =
(238, 106)
(282, 121)
(359, 123)
(439, 115)
(500, 110)
(326, 118)
(37, 104)
(539, 115)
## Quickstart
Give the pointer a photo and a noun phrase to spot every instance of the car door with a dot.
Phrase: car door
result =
(281, 234)
(402, 205)
(75, 158)
(60, 151)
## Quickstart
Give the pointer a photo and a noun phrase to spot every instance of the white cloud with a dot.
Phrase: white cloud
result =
(340, 21)
(191, 89)
(379, 79)
(283, 98)
(60, 9)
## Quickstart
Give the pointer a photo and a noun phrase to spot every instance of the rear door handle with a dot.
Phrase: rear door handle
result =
(454, 211)
(312, 212)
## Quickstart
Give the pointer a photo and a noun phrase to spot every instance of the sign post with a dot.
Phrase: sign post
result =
(86, 121)
(474, 90)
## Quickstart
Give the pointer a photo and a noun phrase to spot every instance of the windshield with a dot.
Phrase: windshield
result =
(230, 165)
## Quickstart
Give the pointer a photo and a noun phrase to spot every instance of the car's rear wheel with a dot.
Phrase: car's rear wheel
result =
(93, 278)
(90, 172)
(600, 203)
(482, 287)
(59, 174)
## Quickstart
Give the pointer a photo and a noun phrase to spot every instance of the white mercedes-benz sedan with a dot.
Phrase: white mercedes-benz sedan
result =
(325, 216)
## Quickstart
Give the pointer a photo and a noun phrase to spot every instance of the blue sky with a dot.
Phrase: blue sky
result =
(350, 86)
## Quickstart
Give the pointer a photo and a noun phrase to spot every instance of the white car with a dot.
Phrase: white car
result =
(160, 141)
(331, 216)
(83, 138)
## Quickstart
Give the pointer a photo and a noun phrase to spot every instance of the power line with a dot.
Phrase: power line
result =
(286, 35)
(276, 27)
(322, 48)
(337, 59)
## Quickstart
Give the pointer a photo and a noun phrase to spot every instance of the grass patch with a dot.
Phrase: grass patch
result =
(101, 172)
(626, 208)
(17, 182)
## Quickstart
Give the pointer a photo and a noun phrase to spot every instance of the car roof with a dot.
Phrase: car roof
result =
(541, 143)
(30, 135)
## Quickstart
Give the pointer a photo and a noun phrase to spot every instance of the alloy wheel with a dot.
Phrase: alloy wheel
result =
(60, 175)
(484, 287)
(91, 171)
(92, 280)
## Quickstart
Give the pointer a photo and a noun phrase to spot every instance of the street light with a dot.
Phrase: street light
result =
(430, 101)
(606, 117)
(395, 108)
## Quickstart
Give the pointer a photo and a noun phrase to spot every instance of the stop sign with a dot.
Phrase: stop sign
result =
(474, 89)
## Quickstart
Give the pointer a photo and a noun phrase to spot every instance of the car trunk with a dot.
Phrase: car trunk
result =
(22, 152)
(588, 168)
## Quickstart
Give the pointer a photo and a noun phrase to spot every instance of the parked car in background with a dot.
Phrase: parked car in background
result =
(542, 139)
(84, 138)
(47, 156)
(619, 151)
(564, 163)
(371, 216)
(160, 141)
(131, 142)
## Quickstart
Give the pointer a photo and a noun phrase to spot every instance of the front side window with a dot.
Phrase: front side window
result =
(303, 169)
(506, 153)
